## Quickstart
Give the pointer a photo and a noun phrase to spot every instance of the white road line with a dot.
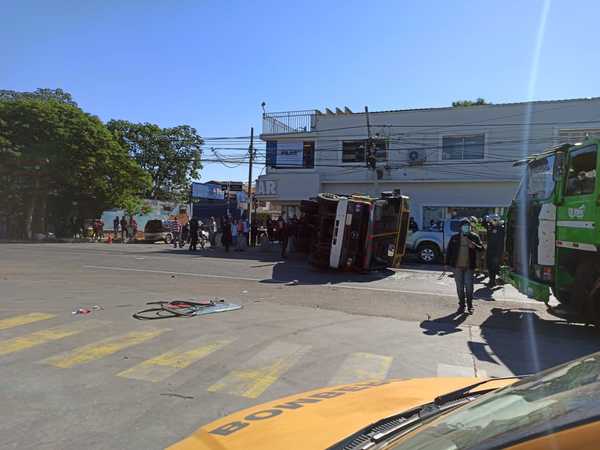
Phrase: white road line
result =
(135, 255)
(188, 274)
(337, 286)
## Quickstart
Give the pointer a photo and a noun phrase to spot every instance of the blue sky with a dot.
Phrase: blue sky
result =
(210, 64)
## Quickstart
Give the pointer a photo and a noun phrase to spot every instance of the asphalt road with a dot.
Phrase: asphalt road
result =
(105, 380)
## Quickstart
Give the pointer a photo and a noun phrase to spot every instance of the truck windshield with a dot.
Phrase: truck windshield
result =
(540, 179)
(551, 400)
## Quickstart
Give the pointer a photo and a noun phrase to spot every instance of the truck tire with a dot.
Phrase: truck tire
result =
(563, 296)
(168, 238)
(428, 253)
(585, 302)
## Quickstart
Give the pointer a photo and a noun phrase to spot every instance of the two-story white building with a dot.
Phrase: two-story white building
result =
(449, 161)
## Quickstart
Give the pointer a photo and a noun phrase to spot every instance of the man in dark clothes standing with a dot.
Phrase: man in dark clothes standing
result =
(462, 257)
(123, 229)
(193, 231)
(116, 224)
(226, 237)
(495, 249)
(283, 233)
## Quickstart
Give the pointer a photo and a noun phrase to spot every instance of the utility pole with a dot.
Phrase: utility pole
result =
(249, 196)
(228, 193)
(370, 157)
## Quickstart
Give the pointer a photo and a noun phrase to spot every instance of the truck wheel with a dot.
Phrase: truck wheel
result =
(584, 301)
(563, 296)
(168, 239)
(428, 253)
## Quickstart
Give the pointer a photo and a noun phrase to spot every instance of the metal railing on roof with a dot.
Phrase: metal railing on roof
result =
(289, 122)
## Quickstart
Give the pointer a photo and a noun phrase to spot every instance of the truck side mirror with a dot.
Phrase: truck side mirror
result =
(558, 176)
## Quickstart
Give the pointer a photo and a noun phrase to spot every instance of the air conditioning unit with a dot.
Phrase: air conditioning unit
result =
(416, 157)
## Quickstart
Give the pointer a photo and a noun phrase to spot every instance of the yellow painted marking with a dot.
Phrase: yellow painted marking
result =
(23, 320)
(261, 371)
(41, 337)
(362, 366)
(100, 349)
(167, 364)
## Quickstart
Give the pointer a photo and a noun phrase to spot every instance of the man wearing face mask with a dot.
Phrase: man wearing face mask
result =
(462, 257)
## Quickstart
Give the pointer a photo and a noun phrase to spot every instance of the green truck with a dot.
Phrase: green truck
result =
(553, 228)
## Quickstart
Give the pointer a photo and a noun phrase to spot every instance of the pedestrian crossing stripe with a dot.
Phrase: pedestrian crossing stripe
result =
(24, 319)
(43, 336)
(165, 365)
(101, 349)
(362, 366)
(261, 371)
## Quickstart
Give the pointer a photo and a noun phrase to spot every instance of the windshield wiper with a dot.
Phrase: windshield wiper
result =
(385, 428)
(390, 426)
(466, 391)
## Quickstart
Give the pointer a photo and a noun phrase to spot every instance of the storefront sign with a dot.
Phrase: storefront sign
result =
(290, 154)
(208, 190)
(267, 188)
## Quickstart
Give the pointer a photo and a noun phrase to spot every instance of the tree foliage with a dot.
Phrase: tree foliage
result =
(39, 94)
(58, 162)
(464, 103)
(171, 156)
(134, 206)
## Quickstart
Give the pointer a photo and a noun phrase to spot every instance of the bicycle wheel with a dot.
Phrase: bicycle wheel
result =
(154, 314)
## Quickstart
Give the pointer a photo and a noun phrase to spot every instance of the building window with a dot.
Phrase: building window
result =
(355, 151)
(309, 154)
(581, 178)
(463, 147)
(574, 135)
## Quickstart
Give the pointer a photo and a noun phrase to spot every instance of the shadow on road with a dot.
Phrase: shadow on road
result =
(486, 293)
(520, 340)
(444, 325)
(294, 268)
(304, 274)
(525, 343)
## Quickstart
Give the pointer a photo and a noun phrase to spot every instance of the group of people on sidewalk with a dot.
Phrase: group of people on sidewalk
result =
(462, 257)
(238, 233)
(194, 232)
(127, 228)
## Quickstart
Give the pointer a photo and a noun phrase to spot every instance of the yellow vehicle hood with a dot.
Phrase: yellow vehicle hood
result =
(323, 417)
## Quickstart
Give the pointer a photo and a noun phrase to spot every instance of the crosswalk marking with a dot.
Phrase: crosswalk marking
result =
(261, 371)
(41, 337)
(163, 366)
(24, 320)
(362, 366)
(100, 349)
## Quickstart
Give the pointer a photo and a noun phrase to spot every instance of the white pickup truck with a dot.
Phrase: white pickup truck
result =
(430, 244)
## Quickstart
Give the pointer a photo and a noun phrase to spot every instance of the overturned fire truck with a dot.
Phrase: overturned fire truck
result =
(356, 232)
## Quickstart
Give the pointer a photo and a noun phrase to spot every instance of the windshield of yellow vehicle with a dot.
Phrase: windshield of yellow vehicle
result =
(547, 402)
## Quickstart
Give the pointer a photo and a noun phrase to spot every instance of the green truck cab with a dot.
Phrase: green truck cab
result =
(553, 235)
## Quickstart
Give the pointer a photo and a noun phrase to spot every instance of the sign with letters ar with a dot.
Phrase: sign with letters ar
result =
(267, 188)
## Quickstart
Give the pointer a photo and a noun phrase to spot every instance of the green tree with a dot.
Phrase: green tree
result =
(57, 162)
(39, 94)
(463, 103)
(171, 156)
(135, 205)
